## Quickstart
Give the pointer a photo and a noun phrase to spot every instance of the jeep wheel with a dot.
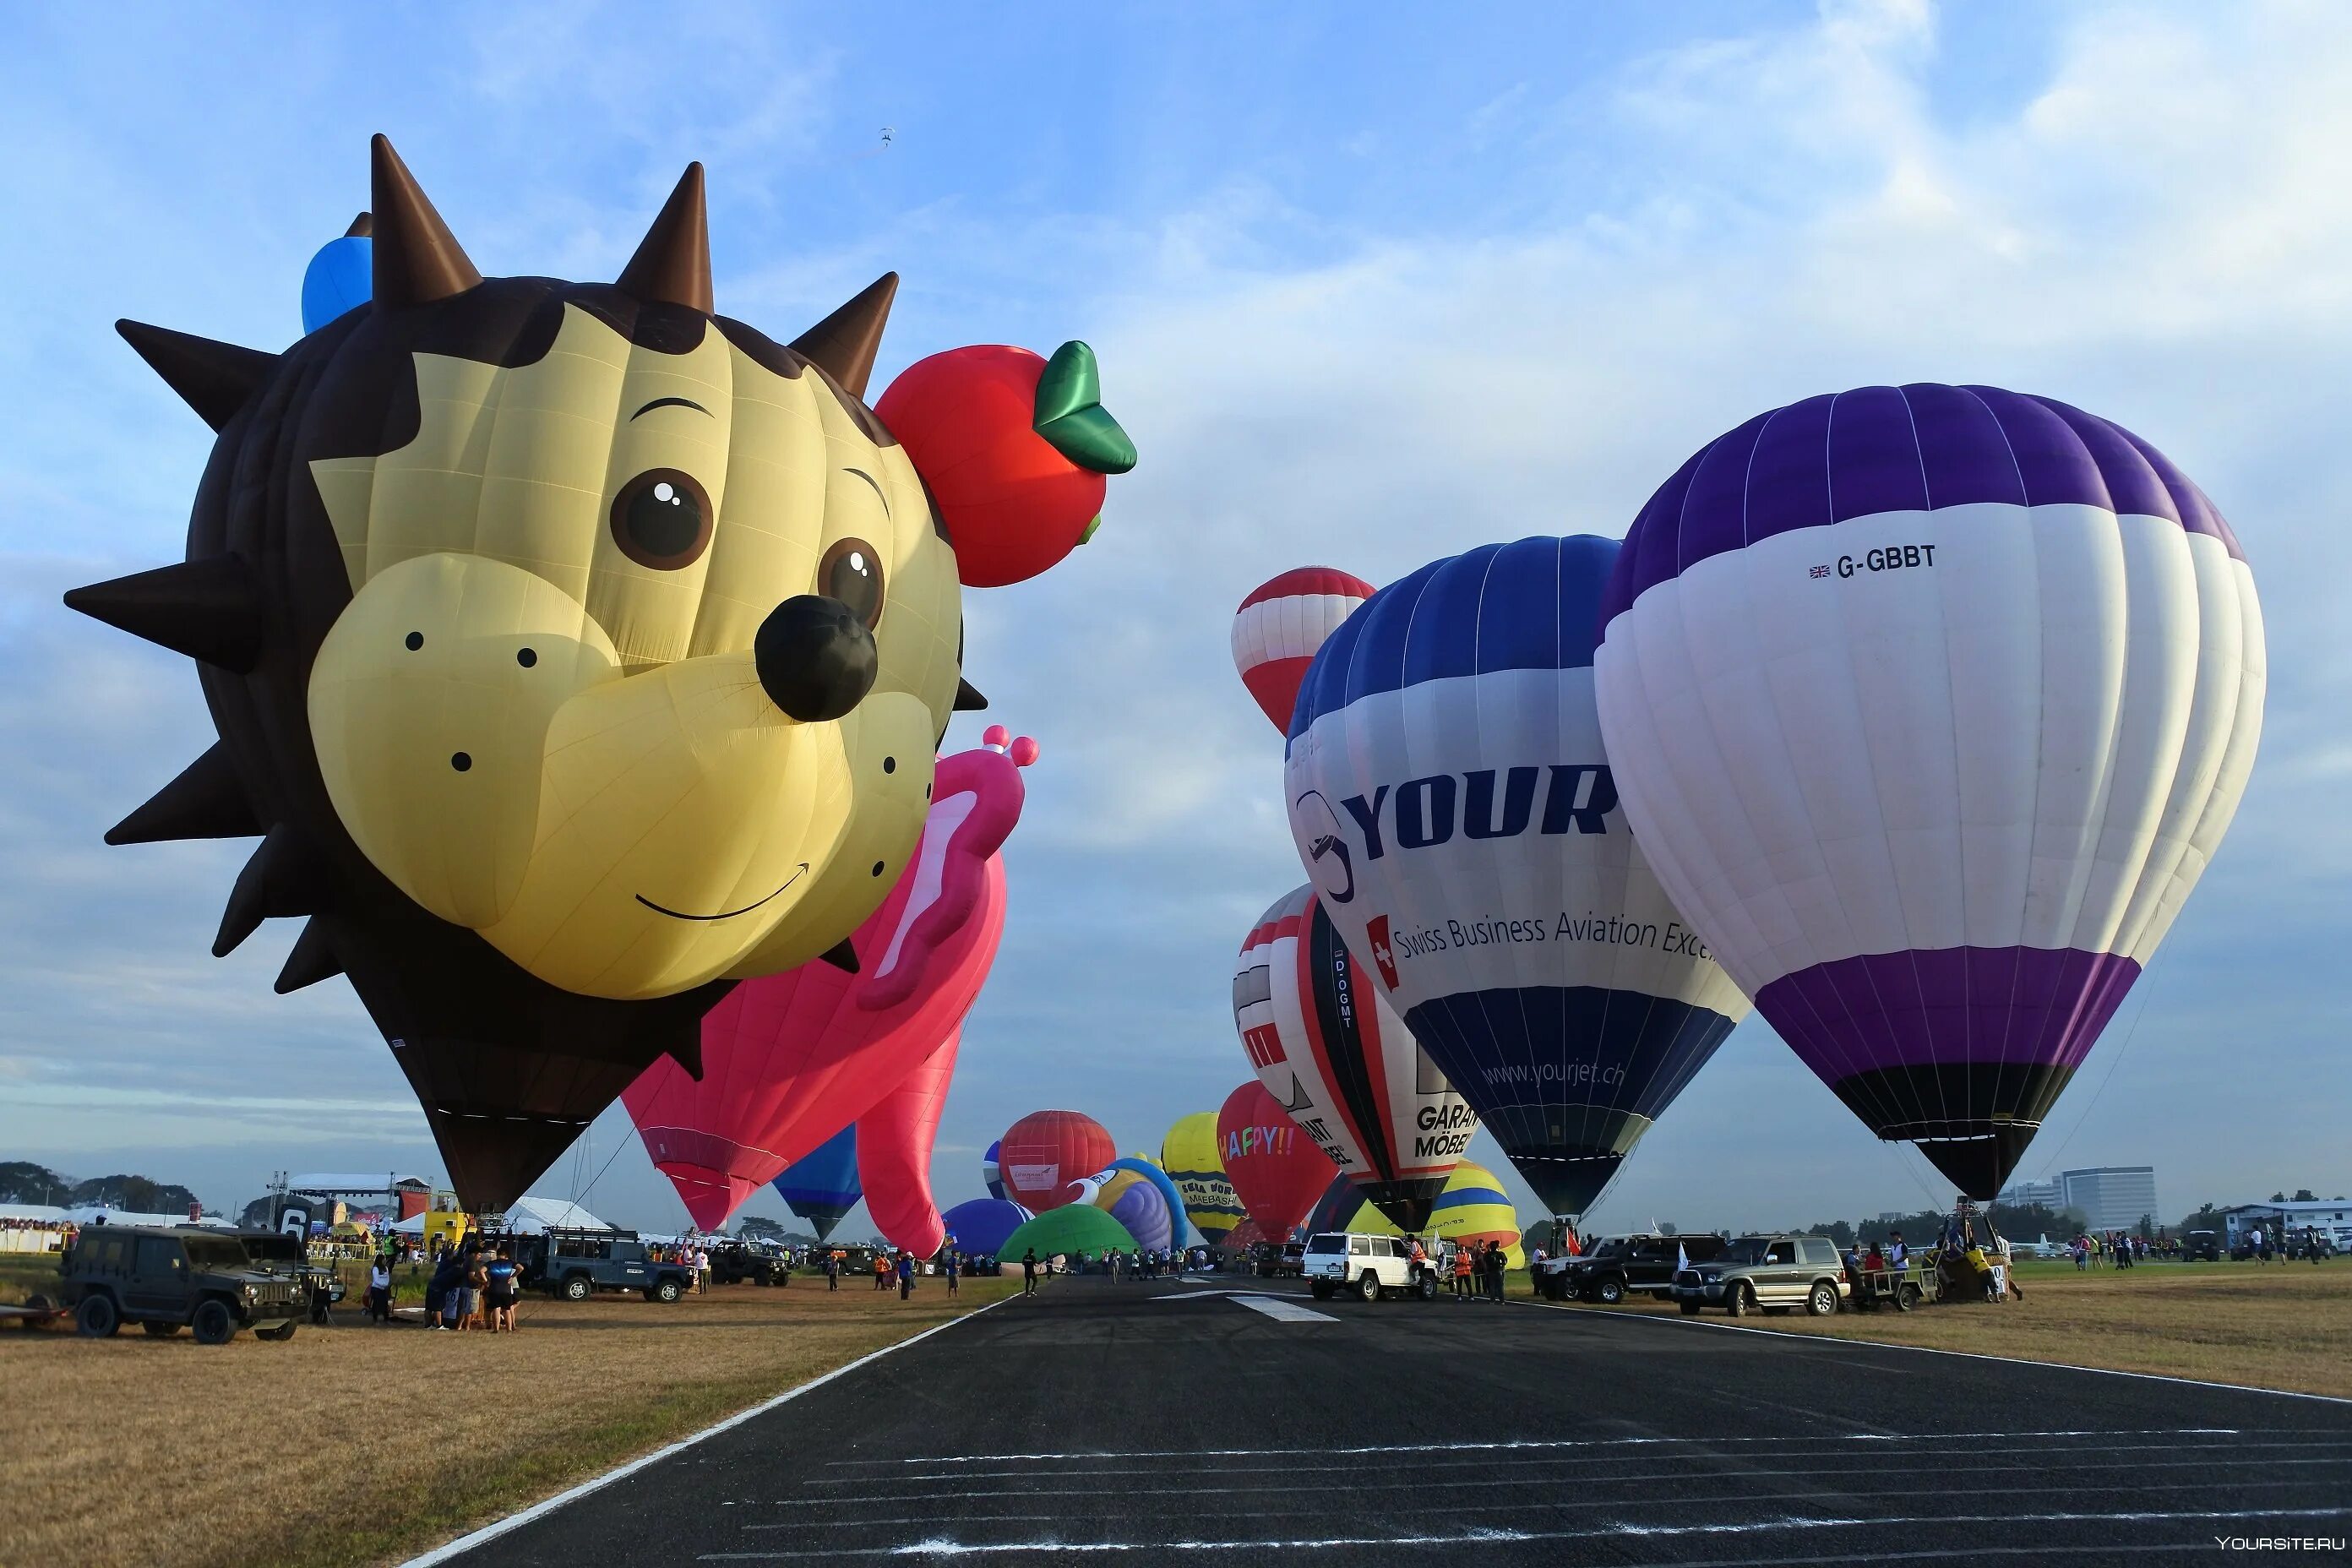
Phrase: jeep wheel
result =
(161, 1331)
(665, 1291)
(1690, 1307)
(1319, 1289)
(283, 1332)
(1823, 1301)
(96, 1317)
(1424, 1285)
(214, 1322)
(576, 1288)
(1739, 1301)
(1367, 1286)
(1611, 1291)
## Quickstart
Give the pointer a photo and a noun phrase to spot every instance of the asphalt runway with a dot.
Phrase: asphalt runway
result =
(1182, 1423)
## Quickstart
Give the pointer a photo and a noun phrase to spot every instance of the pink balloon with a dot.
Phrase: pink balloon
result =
(894, 1153)
(790, 1059)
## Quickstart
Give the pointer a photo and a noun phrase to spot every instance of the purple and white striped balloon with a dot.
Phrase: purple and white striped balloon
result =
(1930, 705)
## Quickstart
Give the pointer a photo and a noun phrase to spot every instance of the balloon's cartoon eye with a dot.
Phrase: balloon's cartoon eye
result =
(661, 519)
(851, 572)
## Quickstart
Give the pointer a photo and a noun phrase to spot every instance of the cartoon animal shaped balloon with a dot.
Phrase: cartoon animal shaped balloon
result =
(1280, 626)
(575, 651)
(790, 1059)
(1931, 704)
(1329, 1048)
(1452, 799)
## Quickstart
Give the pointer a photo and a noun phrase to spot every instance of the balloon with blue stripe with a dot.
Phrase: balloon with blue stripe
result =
(1451, 799)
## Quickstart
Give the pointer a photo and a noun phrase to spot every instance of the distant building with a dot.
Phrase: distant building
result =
(2111, 1197)
(2332, 1218)
(2026, 1194)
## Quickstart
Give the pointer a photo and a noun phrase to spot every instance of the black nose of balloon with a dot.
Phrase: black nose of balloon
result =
(816, 658)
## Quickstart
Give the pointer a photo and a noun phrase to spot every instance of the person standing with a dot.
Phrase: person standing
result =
(833, 1271)
(1496, 1260)
(1461, 1265)
(1029, 1272)
(954, 1267)
(380, 1289)
(905, 1275)
(501, 1278)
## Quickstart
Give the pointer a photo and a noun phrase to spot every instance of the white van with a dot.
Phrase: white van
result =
(1370, 1265)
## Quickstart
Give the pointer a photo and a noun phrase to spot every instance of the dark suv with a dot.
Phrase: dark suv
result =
(734, 1261)
(1623, 1264)
(576, 1264)
(168, 1280)
(285, 1255)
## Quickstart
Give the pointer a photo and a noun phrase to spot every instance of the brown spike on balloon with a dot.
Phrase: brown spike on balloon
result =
(968, 697)
(672, 266)
(216, 379)
(842, 956)
(844, 344)
(208, 609)
(206, 801)
(312, 960)
(363, 226)
(281, 879)
(417, 260)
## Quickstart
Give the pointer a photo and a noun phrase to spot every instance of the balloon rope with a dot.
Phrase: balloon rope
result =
(617, 1146)
(2117, 1060)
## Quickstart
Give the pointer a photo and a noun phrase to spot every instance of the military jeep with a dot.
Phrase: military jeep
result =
(170, 1278)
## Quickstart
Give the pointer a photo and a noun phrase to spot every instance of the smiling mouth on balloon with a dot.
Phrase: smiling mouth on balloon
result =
(725, 915)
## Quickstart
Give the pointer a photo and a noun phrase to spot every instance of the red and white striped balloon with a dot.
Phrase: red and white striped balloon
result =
(1279, 627)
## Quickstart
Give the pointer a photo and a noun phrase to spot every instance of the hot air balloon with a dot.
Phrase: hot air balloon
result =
(1334, 1055)
(990, 1176)
(1145, 1166)
(1189, 1154)
(1450, 798)
(339, 278)
(574, 651)
(1280, 626)
(1077, 1228)
(1276, 1170)
(1471, 1211)
(791, 1058)
(1134, 1200)
(981, 1226)
(822, 1188)
(893, 1154)
(1046, 1154)
(1932, 704)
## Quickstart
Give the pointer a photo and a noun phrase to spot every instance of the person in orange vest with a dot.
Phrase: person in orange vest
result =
(1463, 1263)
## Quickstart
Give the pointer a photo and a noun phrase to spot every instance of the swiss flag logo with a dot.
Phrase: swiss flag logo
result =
(1382, 959)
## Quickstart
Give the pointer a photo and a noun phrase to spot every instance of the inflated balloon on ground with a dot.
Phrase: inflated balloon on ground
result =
(1072, 1228)
(1189, 1154)
(574, 651)
(980, 1226)
(1473, 1210)
(1327, 1046)
(1451, 797)
(1932, 703)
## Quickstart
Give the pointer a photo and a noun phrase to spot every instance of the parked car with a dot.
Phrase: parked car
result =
(173, 1278)
(1369, 1266)
(2201, 1246)
(735, 1261)
(1771, 1272)
(576, 1264)
(1621, 1264)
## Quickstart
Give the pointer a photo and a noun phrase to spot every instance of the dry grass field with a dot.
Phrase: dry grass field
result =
(2280, 1326)
(140, 1450)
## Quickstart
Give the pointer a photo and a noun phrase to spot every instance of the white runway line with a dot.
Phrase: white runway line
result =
(943, 1547)
(492, 1530)
(1695, 1322)
(1283, 1310)
(1504, 1445)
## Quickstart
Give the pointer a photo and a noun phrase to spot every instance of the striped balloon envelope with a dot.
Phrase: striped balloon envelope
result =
(1931, 704)
(1452, 801)
(1333, 1053)
(1282, 623)
(1189, 1155)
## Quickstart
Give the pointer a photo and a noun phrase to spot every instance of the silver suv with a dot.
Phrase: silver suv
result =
(1370, 1265)
(1773, 1272)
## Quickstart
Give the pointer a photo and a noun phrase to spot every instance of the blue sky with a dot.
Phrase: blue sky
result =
(1369, 285)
